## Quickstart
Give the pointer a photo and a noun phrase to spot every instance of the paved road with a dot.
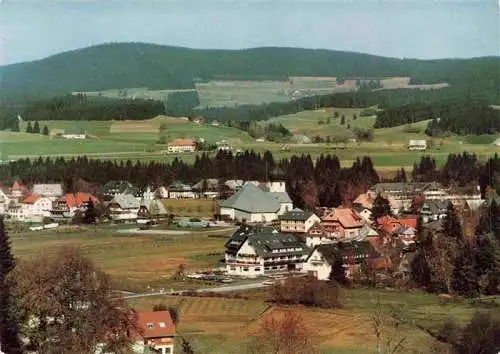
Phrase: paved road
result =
(219, 289)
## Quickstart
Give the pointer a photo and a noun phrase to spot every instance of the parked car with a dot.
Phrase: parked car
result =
(226, 280)
(268, 282)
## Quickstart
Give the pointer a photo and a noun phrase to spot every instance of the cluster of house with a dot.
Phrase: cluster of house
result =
(190, 145)
(310, 242)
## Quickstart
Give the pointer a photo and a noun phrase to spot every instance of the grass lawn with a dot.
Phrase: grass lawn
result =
(217, 325)
(133, 261)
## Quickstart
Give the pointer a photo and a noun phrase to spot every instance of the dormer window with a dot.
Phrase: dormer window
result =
(161, 324)
(149, 325)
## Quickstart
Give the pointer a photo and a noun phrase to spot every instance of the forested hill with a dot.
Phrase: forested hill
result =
(122, 65)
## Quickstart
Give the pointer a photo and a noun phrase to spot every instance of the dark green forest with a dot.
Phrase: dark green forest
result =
(123, 65)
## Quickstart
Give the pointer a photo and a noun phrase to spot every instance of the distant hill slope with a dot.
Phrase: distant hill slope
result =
(122, 65)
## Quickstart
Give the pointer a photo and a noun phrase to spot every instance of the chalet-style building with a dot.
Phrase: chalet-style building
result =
(179, 190)
(123, 207)
(252, 252)
(33, 208)
(257, 204)
(343, 223)
(151, 210)
(434, 210)
(155, 333)
(112, 188)
(298, 221)
(69, 204)
(207, 188)
(181, 145)
(417, 145)
(320, 261)
(317, 235)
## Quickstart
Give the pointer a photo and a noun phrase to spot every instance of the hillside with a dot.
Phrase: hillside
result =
(125, 65)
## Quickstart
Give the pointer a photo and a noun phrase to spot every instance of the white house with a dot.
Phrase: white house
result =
(181, 145)
(252, 252)
(255, 204)
(298, 221)
(417, 145)
(74, 136)
(123, 207)
(32, 209)
(179, 190)
(4, 201)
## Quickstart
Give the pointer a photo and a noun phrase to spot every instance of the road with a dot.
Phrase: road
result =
(219, 289)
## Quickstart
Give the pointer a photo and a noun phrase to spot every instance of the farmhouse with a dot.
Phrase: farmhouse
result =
(152, 209)
(298, 221)
(123, 207)
(156, 331)
(433, 210)
(179, 190)
(252, 252)
(181, 145)
(112, 188)
(343, 223)
(353, 254)
(417, 145)
(207, 188)
(67, 206)
(255, 204)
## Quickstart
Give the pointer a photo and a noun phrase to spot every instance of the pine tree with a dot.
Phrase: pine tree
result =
(186, 347)
(29, 128)
(91, 213)
(45, 130)
(9, 338)
(465, 280)
(381, 207)
(338, 273)
(337, 196)
(451, 225)
(342, 120)
(36, 128)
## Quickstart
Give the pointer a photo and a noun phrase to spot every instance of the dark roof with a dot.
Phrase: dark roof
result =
(265, 241)
(346, 249)
(297, 215)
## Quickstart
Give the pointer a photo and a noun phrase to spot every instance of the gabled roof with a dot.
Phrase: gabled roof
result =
(346, 249)
(281, 197)
(179, 186)
(76, 200)
(211, 184)
(364, 200)
(120, 186)
(252, 199)
(155, 207)
(125, 201)
(182, 142)
(296, 215)
(31, 199)
(155, 324)
(347, 217)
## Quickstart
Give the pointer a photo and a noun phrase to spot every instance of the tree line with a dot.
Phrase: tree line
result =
(311, 182)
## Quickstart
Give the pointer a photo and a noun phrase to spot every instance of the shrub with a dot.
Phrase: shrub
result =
(363, 134)
(307, 291)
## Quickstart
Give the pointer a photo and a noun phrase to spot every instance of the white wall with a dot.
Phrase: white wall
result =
(313, 219)
(320, 267)
(312, 241)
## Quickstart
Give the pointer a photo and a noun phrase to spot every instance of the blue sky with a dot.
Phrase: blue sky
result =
(32, 30)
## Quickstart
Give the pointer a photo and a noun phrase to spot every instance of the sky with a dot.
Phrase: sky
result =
(425, 29)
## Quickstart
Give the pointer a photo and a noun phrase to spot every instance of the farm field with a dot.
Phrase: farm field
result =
(135, 262)
(191, 207)
(219, 325)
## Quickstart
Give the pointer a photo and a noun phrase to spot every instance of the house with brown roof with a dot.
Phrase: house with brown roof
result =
(155, 332)
(33, 208)
(343, 223)
(298, 221)
(67, 206)
(181, 145)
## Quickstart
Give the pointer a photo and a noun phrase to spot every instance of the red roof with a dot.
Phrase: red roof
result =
(18, 186)
(409, 221)
(182, 142)
(155, 324)
(31, 199)
(345, 216)
(75, 200)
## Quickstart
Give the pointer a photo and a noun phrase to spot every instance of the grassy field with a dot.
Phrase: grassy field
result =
(216, 325)
(191, 207)
(133, 261)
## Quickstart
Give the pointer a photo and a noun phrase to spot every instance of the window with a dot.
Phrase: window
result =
(245, 269)
(257, 269)
(167, 350)
(162, 324)
(149, 325)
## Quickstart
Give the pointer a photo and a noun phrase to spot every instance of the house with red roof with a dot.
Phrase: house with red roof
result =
(343, 223)
(67, 206)
(181, 145)
(156, 332)
(33, 208)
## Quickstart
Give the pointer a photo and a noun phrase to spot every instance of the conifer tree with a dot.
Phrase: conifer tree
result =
(45, 130)
(451, 225)
(29, 128)
(36, 128)
(381, 207)
(465, 281)
(338, 273)
(9, 337)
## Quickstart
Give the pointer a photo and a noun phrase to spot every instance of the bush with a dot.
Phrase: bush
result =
(307, 291)
(363, 134)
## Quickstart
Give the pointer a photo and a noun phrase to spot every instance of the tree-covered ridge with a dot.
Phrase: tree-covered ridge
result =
(457, 116)
(121, 65)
